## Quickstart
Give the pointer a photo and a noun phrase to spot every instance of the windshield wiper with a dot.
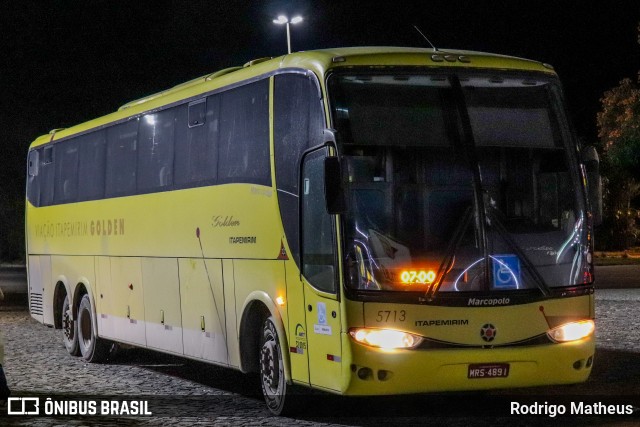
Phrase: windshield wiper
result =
(449, 255)
(469, 149)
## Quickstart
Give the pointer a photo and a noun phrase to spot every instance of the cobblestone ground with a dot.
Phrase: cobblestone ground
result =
(187, 393)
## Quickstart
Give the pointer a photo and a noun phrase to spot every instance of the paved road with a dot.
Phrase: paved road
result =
(186, 393)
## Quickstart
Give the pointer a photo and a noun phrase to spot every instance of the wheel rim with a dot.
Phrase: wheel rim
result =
(271, 369)
(67, 323)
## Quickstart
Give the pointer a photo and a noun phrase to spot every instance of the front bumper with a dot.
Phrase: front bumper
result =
(381, 372)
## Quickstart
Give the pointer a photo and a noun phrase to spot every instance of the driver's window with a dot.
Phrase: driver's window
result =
(318, 254)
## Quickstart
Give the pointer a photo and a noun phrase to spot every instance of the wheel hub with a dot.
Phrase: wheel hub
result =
(67, 325)
(269, 361)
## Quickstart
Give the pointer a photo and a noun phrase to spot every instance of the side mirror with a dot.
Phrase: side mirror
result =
(333, 190)
(591, 162)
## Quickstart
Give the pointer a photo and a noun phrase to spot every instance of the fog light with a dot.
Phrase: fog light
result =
(383, 375)
(590, 362)
(364, 373)
(385, 338)
(572, 331)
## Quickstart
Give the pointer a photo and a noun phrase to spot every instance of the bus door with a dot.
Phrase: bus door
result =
(319, 277)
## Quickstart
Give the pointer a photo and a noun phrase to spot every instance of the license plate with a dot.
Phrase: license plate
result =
(488, 370)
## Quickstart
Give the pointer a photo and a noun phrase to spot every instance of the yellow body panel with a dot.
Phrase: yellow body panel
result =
(163, 225)
(203, 309)
(122, 299)
(40, 281)
(298, 334)
(162, 311)
(323, 336)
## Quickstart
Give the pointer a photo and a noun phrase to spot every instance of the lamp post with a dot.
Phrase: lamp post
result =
(284, 20)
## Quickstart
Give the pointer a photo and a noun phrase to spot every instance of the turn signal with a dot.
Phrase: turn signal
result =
(385, 338)
(572, 331)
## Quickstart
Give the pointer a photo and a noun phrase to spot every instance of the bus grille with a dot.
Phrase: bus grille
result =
(35, 303)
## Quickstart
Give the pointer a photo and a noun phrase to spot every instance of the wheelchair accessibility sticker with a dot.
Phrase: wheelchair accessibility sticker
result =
(506, 271)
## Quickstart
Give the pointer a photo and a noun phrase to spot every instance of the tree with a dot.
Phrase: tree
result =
(619, 133)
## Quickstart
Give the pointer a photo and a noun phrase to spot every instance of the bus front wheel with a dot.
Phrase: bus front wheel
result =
(69, 329)
(274, 384)
(93, 348)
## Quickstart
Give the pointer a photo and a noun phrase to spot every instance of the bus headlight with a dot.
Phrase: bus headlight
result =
(385, 338)
(572, 331)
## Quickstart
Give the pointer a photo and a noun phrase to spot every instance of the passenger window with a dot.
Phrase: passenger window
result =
(155, 151)
(91, 167)
(197, 112)
(297, 125)
(46, 176)
(244, 135)
(33, 182)
(121, 159)
(196, 149)
(33, 163)
(66, 177)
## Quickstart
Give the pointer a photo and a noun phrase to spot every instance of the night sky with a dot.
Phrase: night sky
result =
(64, 62)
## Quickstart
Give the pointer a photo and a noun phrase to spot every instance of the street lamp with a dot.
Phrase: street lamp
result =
(284, 20)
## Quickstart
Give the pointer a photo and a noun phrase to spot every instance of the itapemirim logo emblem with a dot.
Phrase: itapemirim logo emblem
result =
(488, 332)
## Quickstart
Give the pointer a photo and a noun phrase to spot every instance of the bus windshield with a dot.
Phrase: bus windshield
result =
(459, 183)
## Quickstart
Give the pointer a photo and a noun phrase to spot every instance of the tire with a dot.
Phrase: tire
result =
(276, 391)
(93, 348)
(69, 329)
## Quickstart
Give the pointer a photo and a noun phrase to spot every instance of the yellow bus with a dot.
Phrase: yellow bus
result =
(363, 221)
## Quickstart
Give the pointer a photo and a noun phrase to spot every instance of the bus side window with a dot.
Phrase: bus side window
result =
(46, 175)
(33, 182)
(297, 126)
(196, 147)
(66, 175)
(155, 150)
(121, 159)
(197, 112)
(91, 165)
(243, 148)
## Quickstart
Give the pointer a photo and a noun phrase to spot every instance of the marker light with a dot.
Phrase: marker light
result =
(385, 338)
(572, 331)
(280, 301)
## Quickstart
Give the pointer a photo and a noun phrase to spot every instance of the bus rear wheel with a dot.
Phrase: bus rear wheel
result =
(69, 329)
(93, 348)
(275, 389)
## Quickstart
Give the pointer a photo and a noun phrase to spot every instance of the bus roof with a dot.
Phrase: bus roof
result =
(318, 61)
